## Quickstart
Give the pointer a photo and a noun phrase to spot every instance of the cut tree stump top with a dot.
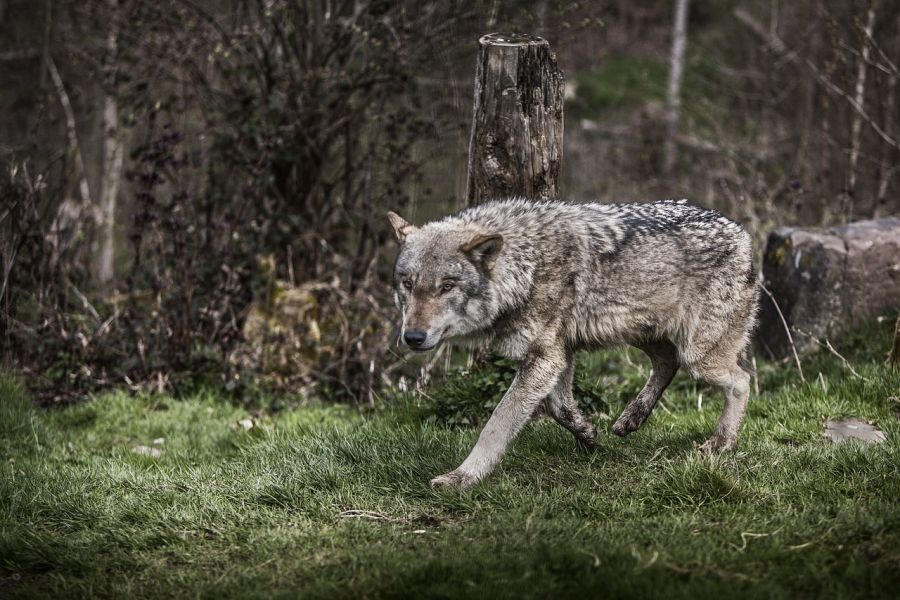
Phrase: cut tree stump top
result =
(512, 39)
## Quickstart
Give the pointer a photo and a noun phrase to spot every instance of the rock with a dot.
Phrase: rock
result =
(147, 451)
(251, 425)
(826, 281)
(853, 429)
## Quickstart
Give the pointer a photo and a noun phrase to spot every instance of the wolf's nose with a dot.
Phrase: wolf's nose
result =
(414, 337)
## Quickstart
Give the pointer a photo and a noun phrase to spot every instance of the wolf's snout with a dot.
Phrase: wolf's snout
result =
(414, 338)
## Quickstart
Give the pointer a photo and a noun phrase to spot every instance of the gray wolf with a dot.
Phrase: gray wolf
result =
(540, 280)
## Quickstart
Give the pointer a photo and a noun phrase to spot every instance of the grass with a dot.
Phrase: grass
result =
(227, 512)
(624, 82)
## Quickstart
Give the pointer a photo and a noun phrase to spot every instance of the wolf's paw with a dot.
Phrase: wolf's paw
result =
(716, 444)
(458, 479)
(587, 439)
(627, 423)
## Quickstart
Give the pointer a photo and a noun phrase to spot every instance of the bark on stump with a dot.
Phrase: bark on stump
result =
(517, 130)
(827, 281)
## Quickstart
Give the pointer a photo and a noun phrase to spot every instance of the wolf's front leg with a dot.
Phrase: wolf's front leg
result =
(535, 379)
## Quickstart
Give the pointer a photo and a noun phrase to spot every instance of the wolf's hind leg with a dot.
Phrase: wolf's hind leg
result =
(564, 409)
(735, 383)
(664, 358)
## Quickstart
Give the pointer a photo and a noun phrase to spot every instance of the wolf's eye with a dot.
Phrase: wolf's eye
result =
(448, 286)
(407, 284)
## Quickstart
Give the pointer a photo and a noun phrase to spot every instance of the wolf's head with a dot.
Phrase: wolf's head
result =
(442, 280)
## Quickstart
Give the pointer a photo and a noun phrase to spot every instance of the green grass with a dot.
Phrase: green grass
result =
(228, 512)
(622, 83)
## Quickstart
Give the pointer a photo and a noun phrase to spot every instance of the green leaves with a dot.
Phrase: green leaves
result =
(466, 398)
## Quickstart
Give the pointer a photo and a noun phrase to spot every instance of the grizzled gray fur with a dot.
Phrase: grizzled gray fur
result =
(541, 280)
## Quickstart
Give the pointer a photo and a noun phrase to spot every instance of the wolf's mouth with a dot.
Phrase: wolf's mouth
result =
(423, 349)
(433, 346)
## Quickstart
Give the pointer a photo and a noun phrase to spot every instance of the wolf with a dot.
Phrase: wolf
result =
(539, 280)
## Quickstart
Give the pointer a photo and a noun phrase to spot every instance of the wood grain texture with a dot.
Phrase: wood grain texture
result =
(517, 131)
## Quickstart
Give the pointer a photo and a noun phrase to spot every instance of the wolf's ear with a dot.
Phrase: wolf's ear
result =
(401, 227)
(483, 250)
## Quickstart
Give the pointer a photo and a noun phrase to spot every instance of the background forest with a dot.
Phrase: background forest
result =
(175, 173)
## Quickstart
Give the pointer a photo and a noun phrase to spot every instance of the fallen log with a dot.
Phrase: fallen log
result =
(827, 281)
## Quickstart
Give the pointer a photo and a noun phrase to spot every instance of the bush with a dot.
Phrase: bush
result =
(300, 134)
(466, 398)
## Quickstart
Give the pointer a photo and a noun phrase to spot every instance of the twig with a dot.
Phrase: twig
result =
(85, 302)
(827, 344)
(746, 536)
(787, 330)
(366, 514)
(893, 359)
(428, 367)
(844, 360)
(21, 54)
(755, 377)
(71, 130)
(891, 64)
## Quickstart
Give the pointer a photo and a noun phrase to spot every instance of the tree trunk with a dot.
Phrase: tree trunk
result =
(68, 223)
(517, 130)
(112, 158)
(673, 90)
(84, 189)
(856, 123)
(889, 156)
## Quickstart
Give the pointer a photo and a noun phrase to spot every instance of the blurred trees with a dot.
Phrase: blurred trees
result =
(834, 85)
(167, 167)
(673, 90)
(272, 129)
(770, 96)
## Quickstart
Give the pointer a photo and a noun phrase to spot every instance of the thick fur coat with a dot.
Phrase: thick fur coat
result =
(541, 280)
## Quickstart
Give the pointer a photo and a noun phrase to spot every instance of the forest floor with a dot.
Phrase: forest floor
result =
(153, 497)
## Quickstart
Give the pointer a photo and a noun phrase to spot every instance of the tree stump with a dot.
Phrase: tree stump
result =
(827, 281)
(517, 130)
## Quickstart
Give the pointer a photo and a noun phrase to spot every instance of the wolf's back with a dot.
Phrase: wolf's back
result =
(610, 228)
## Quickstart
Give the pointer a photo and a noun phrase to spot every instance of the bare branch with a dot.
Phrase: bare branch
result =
(71, 130)
(894, 356)
(867, 31)
(787, 330)
(23, 54)
(779, 47)
(827, 345)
